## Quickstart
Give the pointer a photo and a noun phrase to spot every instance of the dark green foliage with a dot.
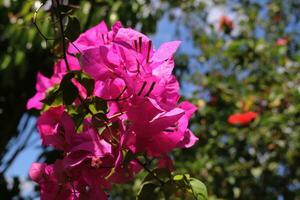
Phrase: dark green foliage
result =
(245, 71)
(257, 161)
(69, 90)
(73, 28)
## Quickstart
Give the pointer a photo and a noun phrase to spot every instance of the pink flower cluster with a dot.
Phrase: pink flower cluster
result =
(143, 118)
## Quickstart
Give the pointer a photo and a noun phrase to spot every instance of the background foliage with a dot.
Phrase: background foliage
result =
(233, 71)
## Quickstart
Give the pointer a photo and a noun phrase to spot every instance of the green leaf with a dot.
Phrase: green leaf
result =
(73, 28)
(70, 93)
(198, 189)
(182, 180)
(51, 97)
(78, 118)
(128, 157)
(88, 84)
(69, 90)
(99, 119)
(178, 177)
(100, 104)
(147, 192)
(169, 188)
(101, 130)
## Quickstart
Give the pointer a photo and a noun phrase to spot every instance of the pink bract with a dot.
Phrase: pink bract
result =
(143, 116)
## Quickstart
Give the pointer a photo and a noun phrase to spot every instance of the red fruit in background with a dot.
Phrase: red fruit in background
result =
(276, 18)
(242, 118)
(226, 24)
(282, 41)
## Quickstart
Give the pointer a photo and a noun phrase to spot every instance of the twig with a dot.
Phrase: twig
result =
(37, 27)
(61, 27)
(149, 171)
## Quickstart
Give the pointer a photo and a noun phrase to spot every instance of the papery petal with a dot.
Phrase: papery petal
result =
(163, 70)
(93, 37)
(109, 89)
(35, 101)
(99, 62)
(42, 83)
(188, 141)
(163, 143)
(36, 171)
(74, 159)
(52, 129)
(166, 119)
(165, 51)
(129, 35)
(94, 192)
(188, 107)
(95, 148)
(68, 126)
(136, 41)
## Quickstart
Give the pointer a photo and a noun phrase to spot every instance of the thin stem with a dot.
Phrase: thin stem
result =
(36, 26)
(149, 171)
(61, 27)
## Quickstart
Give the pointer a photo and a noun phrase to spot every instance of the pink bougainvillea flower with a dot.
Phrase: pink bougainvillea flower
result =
(242, 118)
(92, 183)
(87, 40)
(132, 59)
(87, 145)
(157, 132)
(42, 85)
(56, 128)
(36, 171)
(189, 139)
(94, 37)
(133, 39)
(136, 83)
(97, 35)
(57, 183)
(52, 180)
(177, 135)
(125, 174)
(109, 89)
(165, 52)
(100, 62)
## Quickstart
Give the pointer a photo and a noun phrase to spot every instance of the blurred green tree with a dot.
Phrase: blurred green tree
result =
(248, 64)
(248, 61)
